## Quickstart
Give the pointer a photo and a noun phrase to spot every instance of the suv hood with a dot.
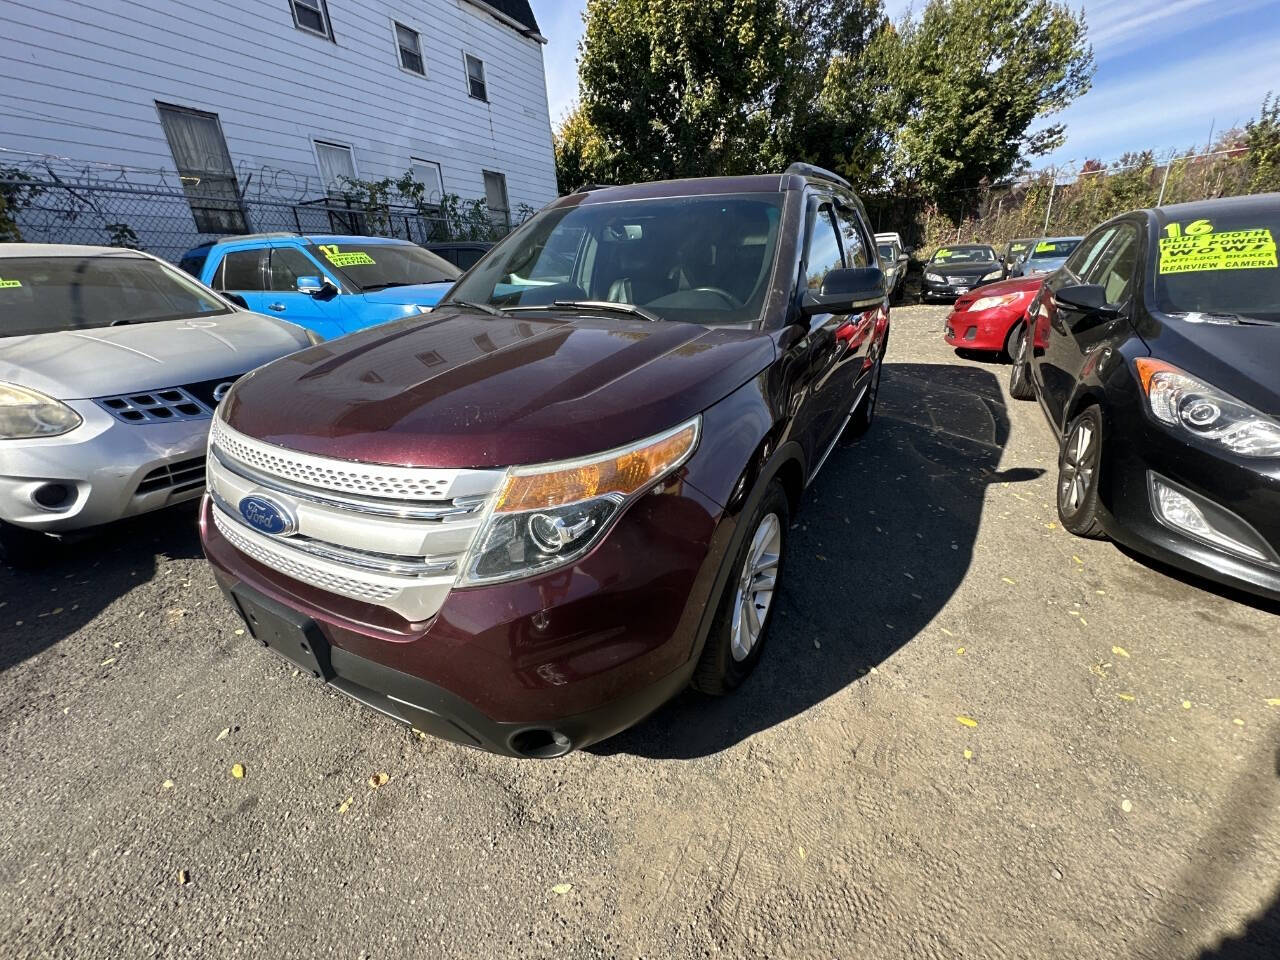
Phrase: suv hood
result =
(426, 294)
(458, 388)
(101, 361)
(1240, 358)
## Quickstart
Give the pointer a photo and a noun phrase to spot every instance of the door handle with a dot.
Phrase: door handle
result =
(277, 307)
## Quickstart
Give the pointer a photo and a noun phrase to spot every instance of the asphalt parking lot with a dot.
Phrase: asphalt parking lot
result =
(973, 735)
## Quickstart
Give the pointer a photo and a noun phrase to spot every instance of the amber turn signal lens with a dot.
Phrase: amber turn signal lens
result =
(1148, 367)
(620, 472)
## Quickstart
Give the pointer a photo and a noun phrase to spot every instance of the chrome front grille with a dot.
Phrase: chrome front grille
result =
(155, 406)
(394, 536)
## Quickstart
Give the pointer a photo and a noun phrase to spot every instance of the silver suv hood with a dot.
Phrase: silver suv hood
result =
(80, 364)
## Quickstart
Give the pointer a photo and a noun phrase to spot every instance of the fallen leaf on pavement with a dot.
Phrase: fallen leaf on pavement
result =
(1186, 704)
(1274, 702)
(959, 651)
(1125, 696)
(239, 633)
(107, 662)
(1125, 805)
(377, 780)
(1238, 722)
(182, 877)
(237, 771)
(562, 888)
(1120, 651)
(950, 634)
(167, 785)
(967, 721)
(968, 754)
(345, 805)
(223, 735)
(1077, 560)
(1008, 581)
(800, 851)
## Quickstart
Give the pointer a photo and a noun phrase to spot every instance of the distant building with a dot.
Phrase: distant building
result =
(274, 101)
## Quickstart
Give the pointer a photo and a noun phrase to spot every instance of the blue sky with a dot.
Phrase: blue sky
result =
(1167, 70)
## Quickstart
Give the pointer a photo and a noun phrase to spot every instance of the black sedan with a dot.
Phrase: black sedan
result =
(1153, 353)
(957, 269)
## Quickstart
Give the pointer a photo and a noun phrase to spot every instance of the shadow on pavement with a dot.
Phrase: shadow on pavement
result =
(85, 576)
(882, 540)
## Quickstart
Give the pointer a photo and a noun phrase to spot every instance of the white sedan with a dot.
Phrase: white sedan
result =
(111, 362)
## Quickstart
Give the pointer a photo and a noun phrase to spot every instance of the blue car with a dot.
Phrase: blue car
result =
(330, 284)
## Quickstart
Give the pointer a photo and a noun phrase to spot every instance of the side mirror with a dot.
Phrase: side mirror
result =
(235, 298)
(1087, 298)
(310, 285)
(846, 291)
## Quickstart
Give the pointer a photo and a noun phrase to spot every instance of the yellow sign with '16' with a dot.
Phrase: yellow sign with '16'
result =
(1195, 246)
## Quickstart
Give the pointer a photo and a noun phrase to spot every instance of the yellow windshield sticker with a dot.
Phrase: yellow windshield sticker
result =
(1196, 246)
(9, 284)
(1045, 248)
(354, 258)
(944, 252)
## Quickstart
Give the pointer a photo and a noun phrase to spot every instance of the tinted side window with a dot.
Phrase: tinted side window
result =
(241, 270)
(824, 248)
(855, 247)
(287, 265)
(1113, 271)
(1086, 254)
(467, 259)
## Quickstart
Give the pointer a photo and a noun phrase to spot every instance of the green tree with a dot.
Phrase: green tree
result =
(965, 84)
(1262, 139)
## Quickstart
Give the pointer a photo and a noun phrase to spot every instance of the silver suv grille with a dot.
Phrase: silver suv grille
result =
(393, 536)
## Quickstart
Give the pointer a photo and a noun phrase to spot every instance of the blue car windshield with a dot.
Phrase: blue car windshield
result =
(378, 266)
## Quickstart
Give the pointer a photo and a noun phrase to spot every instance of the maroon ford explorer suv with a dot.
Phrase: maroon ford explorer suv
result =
(524, 520)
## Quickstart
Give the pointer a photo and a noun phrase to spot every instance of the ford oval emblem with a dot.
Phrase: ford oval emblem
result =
(268, 516)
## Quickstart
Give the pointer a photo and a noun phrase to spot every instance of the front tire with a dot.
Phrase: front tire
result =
(1020, 385)
(746, 606)
(1079, 463)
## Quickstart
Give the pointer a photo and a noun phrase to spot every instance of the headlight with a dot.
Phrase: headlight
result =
(549, 515)
(990, 303)
(993, 275)
(313, 338)
(25, 414)
(1179, 399)
(935, 277)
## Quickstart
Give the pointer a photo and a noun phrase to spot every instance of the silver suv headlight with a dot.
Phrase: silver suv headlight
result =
(1179, 399)
(26, 413)
(546, 516)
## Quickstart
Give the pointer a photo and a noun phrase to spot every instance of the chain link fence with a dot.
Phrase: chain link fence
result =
(168, 223)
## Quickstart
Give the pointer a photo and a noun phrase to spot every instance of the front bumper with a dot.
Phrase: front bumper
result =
(1138, 448)
(948, 289)
(569, 658)
(110, 470)
(980, 330)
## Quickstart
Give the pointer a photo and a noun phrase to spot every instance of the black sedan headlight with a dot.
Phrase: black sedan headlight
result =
(1203, 411)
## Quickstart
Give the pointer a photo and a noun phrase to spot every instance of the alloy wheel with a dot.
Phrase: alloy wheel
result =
(1079, 463)
(756, 584)
(1020, 361)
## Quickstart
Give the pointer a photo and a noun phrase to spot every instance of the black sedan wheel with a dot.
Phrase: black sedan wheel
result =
(1078, 466)
(1020, 385)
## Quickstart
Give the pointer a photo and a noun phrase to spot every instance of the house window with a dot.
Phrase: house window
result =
(495, 197)
(410, 49)
(312, 16)
(204, 168)
(475, 78)
(336, 162)
(427, 172)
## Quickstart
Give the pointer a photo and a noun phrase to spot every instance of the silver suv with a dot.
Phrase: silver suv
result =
(111, 363)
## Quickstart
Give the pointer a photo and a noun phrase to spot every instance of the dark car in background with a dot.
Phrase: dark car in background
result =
(1044, 256)
(957, 269)
(1014, 251)
(1159, 378)
(463, 254)
(524, 520)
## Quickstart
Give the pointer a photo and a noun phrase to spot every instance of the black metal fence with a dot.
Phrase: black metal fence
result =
(169, 222)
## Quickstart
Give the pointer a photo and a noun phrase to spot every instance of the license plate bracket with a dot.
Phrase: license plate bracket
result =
(962, 289)
(293, 635)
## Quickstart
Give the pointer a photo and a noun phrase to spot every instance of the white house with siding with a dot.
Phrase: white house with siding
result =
(277, 99)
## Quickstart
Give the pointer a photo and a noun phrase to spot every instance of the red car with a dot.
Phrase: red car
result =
(526, 519)
(986, 318)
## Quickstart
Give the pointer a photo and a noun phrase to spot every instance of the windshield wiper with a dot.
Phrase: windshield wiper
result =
(609, 305)
(482, 307)
(386, 286)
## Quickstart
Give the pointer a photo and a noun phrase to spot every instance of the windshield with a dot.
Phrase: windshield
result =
(1053, 250)
(886, 252)
(47, 294)
(377, 266)
(1223, 265)
(701, 259)
(968, 254)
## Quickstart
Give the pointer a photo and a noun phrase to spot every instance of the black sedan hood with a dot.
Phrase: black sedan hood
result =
(1238, 357)
(963, 269)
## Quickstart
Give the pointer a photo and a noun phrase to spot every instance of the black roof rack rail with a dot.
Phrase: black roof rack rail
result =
(588, 187)
(809, 170)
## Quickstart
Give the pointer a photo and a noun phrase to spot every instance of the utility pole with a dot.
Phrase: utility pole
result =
(1164, 181)
(1049, 209)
